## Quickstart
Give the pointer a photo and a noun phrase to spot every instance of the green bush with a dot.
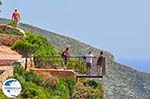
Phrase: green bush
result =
(28, 75)
(31, 84)
(2, 96)
(43, 56)
(39, 47)
(11, 23)
(69, 83)
(60, 90)
(77, 65)
(33, 91)
(30, 89)
(34, 88)
(88, 90)
(10, 31)
(92, 83)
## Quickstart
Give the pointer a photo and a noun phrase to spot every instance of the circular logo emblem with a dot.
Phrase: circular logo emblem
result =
(11, 88)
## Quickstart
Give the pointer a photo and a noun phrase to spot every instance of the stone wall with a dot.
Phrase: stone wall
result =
(56, 72)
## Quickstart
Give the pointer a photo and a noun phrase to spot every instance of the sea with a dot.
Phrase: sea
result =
(137, 64)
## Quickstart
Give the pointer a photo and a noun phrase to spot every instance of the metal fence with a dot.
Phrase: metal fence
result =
(77, 63)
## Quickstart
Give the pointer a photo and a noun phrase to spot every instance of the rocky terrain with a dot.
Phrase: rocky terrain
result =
(7, 56)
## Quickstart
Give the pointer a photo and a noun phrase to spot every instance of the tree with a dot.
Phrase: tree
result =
(34, 44)
(28, 45)
(25, 48)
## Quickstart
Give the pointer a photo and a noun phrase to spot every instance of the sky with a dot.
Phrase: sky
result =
(120, 27)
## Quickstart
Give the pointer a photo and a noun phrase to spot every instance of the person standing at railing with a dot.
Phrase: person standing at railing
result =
(65, 56)
(101, 64)
(89, 60)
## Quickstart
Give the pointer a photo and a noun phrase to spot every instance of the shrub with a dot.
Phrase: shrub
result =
(12, 31)
(38, 46)
(27, 75)
(77, 65)
(60, 90)
(34, 88)
(2, 96)
(11, 23)
(31, 84)
(69, 82)
(48, 79)
(91, 83)
(88, 90)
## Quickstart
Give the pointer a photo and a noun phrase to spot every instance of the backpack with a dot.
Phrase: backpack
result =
(84, 57)
(62, 55)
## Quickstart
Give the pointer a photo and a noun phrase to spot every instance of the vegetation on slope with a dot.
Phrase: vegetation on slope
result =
(36, 45)
(65, 88)
(9, 29)
(34, 87)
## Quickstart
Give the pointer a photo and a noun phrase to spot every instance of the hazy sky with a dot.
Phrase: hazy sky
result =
(121, 27)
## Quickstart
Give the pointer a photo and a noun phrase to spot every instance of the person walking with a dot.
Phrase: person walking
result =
(16, 17)
(89, 60)
(65, 56)
(101, 64)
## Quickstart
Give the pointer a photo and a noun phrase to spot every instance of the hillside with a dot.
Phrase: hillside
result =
(122, 82)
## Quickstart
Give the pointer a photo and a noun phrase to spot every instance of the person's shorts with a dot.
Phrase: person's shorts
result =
(88, 65)
(99, 64)
(16, 21)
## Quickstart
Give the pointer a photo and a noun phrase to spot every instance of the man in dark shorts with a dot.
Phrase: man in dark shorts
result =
(101, 64)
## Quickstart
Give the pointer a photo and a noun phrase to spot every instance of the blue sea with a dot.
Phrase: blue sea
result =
(140, 65)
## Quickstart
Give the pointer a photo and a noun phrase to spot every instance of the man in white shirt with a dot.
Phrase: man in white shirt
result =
(89, 59)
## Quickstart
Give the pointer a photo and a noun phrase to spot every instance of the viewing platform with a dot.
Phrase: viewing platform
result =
(76, 67)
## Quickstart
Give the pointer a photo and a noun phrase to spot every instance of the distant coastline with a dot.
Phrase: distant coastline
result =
(137, 64)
